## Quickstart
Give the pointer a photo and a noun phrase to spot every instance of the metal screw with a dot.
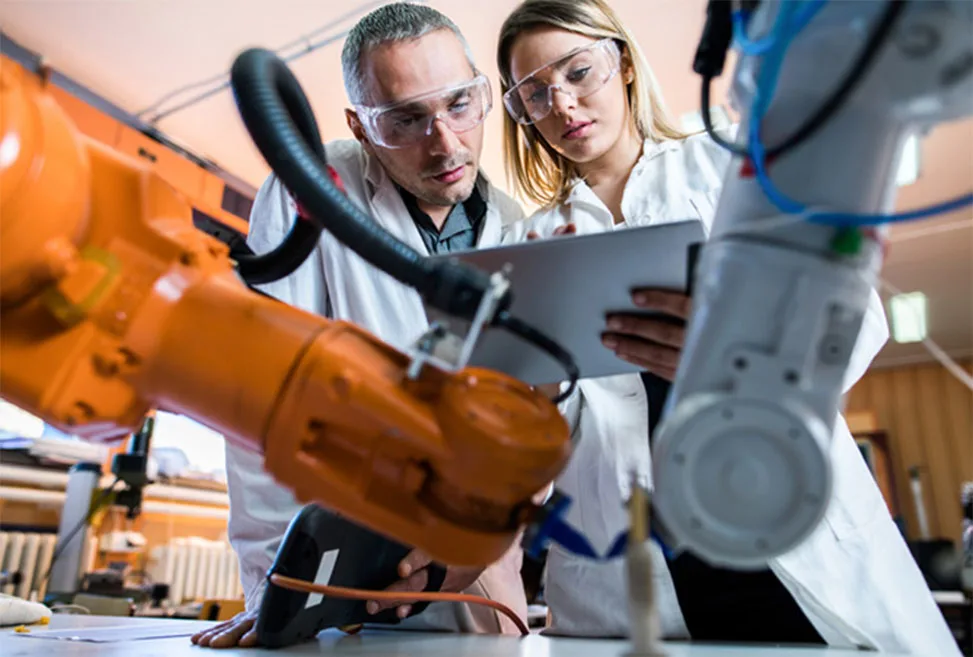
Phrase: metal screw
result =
(918, 40)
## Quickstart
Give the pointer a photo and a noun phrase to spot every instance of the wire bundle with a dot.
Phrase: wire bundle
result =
(791, 19)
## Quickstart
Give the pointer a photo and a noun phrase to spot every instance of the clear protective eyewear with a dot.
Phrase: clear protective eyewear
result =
(578, 74)
(404, 123)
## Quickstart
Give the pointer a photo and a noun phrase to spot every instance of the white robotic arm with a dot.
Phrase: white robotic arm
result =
(742, 469)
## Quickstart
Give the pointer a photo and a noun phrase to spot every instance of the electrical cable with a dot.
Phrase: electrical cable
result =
(740, 16)
(304, 234)
(303, 586)
(765, 89)
(267, 94)
(844, 219)
(736, 149)
(852, 78)
(223, 78)
(280, 121)
(96, 504)
(833, 103)
(528, 333)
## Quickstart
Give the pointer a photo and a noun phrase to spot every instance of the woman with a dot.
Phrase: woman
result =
(587, 138)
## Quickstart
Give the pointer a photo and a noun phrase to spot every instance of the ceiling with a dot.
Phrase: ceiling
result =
(134, 53)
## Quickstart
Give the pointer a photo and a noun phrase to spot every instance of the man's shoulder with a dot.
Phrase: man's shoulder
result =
(344, 152)
(345, 155)
(501, 202)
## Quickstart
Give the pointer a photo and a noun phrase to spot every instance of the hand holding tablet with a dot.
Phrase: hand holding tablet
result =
(571, 286)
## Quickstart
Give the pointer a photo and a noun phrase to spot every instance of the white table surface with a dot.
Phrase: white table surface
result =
(371, 644)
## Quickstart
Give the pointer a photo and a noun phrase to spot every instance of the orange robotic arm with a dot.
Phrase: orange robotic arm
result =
(112, 304)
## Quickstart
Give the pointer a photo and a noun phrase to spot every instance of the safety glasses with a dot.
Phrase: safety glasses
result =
(404, 123)
(578, 74)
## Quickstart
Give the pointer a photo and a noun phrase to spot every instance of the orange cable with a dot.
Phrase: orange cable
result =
(393, 596)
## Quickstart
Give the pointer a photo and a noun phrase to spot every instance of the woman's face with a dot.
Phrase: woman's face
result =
(582, 129)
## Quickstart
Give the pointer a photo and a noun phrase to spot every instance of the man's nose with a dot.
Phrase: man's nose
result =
(562, 102)
(442, 140)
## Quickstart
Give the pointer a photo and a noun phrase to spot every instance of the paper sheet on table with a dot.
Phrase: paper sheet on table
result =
(118, 633)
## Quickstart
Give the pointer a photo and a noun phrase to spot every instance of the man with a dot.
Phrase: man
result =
(418, 105)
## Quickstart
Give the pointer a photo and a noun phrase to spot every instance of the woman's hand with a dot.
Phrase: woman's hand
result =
(566, 229)
(653, 344)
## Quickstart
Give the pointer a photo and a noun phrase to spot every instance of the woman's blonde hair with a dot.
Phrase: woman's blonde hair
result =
(539, 172)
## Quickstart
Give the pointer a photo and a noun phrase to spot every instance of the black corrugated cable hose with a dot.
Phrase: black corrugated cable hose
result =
(278, 117)
(281, 123)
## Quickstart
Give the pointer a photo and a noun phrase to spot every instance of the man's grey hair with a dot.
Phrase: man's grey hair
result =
(398, 21)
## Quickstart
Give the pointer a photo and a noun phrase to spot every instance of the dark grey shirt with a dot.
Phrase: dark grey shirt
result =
(462, 227)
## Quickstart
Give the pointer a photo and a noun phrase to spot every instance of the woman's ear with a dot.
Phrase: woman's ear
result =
(626, 67)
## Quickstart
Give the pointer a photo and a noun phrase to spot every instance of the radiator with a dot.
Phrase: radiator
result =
(29, 554)
(196, 569)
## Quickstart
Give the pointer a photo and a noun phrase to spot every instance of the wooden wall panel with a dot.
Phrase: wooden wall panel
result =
(928, 415)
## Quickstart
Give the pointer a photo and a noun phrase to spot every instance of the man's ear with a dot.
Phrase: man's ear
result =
(357, 129)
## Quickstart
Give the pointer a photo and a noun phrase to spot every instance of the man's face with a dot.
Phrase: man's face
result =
(440, 168)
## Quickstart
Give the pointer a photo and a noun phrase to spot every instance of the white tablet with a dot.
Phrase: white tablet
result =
(566, 286)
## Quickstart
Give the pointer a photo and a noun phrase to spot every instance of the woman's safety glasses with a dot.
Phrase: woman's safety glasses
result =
(578, 74)
(406, 122)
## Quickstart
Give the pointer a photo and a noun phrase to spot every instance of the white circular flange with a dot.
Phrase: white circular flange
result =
(739, 481)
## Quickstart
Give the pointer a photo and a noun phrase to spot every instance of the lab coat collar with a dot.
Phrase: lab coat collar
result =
(582, 196)
(384, 196)
(581, 193)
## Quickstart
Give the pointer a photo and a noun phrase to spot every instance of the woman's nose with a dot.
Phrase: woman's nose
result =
(562, 101)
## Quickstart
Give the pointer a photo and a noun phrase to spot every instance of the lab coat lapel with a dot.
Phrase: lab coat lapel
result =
(491, 232)
(398, 312)
(389, 209)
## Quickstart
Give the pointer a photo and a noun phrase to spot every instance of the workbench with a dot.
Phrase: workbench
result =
(369, 644)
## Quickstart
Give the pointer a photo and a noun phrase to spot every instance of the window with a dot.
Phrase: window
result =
(18, 423)
(201, 446)
(909, 314)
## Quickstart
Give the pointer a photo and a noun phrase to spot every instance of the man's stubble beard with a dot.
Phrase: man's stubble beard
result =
(414, 187)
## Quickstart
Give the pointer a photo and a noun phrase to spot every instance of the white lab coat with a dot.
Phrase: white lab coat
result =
(260, 509)
(853, 577)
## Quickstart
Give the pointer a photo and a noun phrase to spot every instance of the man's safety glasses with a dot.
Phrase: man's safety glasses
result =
(578, 74)
(404, 123)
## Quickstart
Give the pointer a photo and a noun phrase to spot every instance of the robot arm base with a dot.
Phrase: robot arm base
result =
(739, 480)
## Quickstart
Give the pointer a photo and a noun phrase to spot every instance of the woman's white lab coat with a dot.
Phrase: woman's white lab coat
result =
(853, 577)
(336, 282)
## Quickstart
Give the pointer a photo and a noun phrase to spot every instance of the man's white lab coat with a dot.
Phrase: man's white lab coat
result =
(854, 576)
(336, 282)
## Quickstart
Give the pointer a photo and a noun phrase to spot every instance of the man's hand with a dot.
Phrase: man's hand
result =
(652, 344)
(415, 577)
(239, 631)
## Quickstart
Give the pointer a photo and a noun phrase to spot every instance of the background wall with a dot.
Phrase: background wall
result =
(928, 416)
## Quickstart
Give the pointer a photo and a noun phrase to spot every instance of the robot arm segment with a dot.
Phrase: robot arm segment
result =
(114, 304)
(742, 465)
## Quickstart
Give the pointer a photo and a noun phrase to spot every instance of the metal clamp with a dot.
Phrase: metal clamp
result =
(448, 351)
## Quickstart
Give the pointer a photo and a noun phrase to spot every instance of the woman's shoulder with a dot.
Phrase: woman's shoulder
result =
(701, 146)
(543, 221)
